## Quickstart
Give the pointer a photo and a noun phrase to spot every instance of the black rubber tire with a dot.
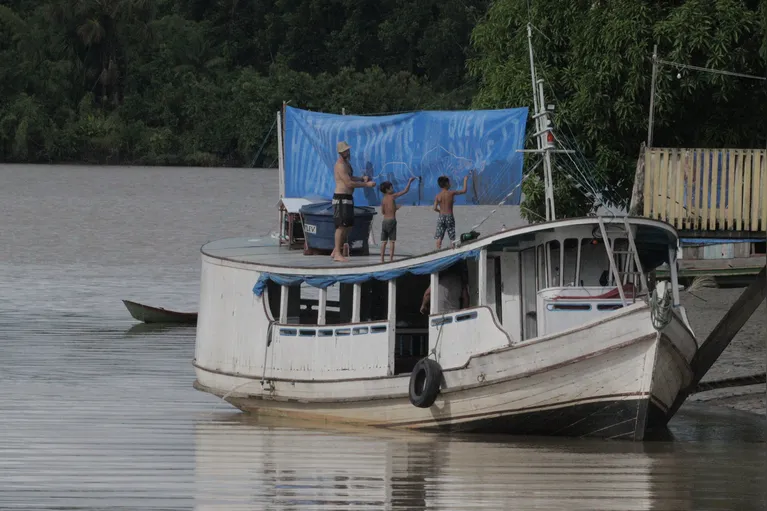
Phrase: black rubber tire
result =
(425, 381)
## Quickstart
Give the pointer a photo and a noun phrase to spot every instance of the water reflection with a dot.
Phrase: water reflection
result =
(158, 328)
(244, 463)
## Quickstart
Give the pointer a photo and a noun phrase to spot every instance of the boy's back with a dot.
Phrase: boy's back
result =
(445, 200)
(443, 204)
(388, 206)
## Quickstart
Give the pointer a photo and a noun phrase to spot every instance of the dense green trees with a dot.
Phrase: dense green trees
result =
(596, 58)
(198, 81)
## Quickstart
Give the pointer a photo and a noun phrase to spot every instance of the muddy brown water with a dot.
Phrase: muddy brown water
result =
(97, 412)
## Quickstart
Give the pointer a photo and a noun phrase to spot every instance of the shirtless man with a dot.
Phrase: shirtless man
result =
(443, 204)
(343, 201)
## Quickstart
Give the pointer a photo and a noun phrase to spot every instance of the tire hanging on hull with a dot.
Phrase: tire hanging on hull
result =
(425, 381)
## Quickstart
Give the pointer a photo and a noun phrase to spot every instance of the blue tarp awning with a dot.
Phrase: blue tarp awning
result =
(424, 145)
(324, 281)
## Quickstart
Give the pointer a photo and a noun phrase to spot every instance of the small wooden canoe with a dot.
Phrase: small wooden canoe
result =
(149, 314)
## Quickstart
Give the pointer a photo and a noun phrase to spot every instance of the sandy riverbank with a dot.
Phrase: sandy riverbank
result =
(744, 356)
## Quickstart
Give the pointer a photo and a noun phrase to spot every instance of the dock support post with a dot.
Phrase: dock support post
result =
(482, 278)
(674, 277)
(356, 303)
(392, 317)
(723, 333)
(322, 307)
(284, 292)
(434, 300)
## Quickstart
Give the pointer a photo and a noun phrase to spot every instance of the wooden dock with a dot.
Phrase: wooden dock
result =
(704, 192)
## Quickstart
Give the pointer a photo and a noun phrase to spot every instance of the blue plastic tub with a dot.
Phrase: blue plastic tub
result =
(319, 227)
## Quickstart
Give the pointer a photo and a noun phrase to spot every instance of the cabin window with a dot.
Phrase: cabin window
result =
(374, 301)
(309, 304)
(620, 255)
(594, 267)
(541, 276)
(569, 276)
(333, 305)
(554, 266)
(273, 291)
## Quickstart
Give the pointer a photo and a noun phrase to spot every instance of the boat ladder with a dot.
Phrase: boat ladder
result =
(631, 269)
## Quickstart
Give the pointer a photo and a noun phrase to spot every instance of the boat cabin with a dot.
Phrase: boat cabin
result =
(506, 289)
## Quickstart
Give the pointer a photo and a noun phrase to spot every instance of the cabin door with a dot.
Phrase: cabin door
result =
(528, 273)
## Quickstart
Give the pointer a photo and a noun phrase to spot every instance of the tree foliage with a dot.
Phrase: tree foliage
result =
(596, 59)
(199, 81)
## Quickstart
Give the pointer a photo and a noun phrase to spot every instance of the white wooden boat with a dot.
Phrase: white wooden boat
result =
(560, 331)
(530, 354)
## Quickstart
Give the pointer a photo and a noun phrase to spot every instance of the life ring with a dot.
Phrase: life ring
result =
(425, 381)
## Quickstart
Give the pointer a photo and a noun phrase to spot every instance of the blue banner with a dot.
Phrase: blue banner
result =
(394, 148)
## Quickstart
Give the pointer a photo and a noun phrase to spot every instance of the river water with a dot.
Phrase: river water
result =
(99, 413)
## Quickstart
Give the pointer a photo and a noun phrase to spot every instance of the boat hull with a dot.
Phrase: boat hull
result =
(157, 315)
(620, 391)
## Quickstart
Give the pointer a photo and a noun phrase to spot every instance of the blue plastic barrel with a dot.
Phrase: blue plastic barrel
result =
(319, 227)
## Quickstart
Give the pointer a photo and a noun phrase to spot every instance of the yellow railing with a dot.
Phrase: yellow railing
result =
(707, 189)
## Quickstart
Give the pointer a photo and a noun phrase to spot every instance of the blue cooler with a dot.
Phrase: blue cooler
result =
(319, 228)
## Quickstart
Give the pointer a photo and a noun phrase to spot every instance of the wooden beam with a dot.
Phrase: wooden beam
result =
(705, 166)
(756, 199)
(729, 326)
(638, 192)
(723, 333)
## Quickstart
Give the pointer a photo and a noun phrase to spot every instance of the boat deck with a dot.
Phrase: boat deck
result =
(266, 251)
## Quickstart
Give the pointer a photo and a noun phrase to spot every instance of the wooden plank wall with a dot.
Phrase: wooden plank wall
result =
(707, 189)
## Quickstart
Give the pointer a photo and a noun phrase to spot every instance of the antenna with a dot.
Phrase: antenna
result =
(543, 131)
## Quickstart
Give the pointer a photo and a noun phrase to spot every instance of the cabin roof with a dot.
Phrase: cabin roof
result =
(264, 254)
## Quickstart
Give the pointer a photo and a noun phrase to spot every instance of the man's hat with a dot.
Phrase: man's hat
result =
(343, 146)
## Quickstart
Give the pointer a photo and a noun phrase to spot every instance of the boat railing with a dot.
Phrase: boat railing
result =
(339, 330)
(330, 352)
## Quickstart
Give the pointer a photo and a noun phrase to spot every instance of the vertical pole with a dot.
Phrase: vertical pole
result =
(482, 278)
(284, 304)
(356, 303)
(434, 302)
(280, 155)
(343, 111)
(532, 77)
(674, 275)
(652, 95)
(322, 307)
(543, 137)
(392, 317)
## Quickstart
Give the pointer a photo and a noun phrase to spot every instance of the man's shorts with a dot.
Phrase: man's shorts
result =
(389, 229)
(343, 210)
